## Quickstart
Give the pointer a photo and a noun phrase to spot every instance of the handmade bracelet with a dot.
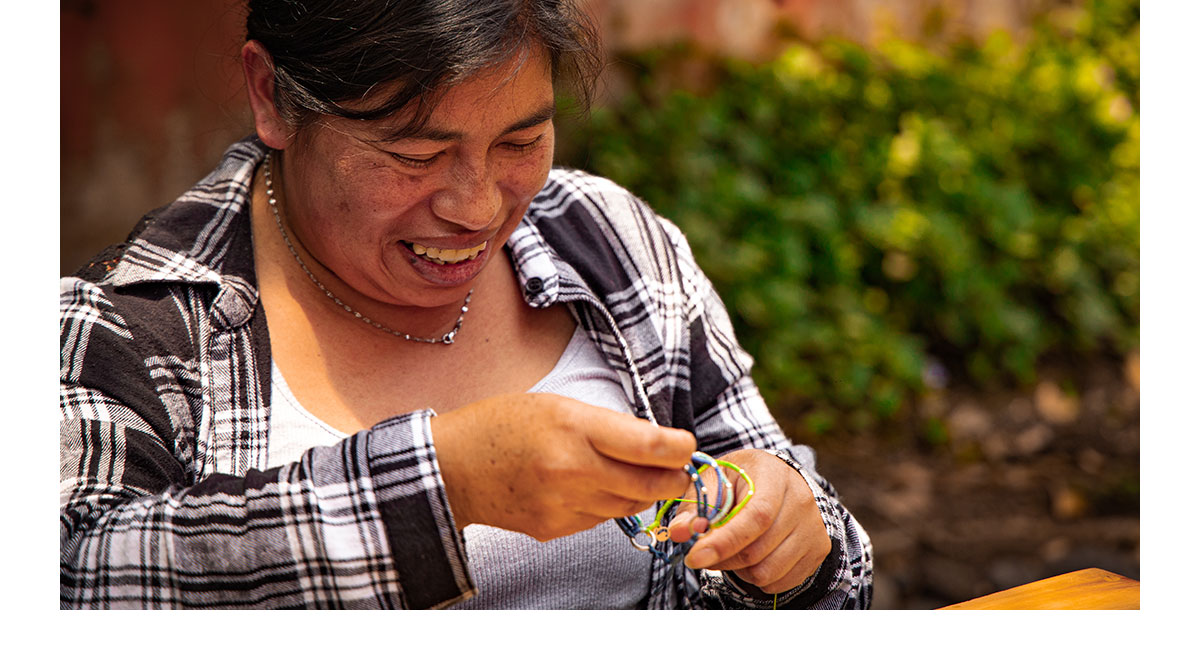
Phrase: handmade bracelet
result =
(745, 499)
(634, 528)
(717, 514)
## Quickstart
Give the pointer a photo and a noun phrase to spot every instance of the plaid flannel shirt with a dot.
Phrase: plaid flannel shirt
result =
(165, 401)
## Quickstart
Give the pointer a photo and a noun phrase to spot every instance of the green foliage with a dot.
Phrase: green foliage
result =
(865, 212)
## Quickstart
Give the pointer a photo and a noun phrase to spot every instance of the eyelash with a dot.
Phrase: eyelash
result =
(525, 147)
(421, 163)
(414, 162)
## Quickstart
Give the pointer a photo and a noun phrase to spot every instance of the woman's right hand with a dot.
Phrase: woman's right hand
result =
(548, 466)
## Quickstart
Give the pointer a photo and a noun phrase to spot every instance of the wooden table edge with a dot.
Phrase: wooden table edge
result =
(1088, 589)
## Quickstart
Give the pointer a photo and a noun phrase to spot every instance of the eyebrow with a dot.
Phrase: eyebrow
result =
(539, 117)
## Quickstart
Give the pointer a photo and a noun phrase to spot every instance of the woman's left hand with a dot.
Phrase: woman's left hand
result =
(777, 540)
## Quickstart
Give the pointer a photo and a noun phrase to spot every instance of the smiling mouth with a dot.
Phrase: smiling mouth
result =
(445, 256)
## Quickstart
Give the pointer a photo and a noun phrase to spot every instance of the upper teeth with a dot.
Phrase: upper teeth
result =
(448, 255)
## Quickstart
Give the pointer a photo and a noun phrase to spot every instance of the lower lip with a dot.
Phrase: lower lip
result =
(448, 274)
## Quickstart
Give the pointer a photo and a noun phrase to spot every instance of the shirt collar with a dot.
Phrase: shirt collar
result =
(203, 237)
(534, 262)
(542, 272)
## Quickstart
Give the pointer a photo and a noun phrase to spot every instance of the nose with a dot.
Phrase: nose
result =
(470, 198)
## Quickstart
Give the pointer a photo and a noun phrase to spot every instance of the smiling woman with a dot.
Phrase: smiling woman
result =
(385, 356)
(358, 196)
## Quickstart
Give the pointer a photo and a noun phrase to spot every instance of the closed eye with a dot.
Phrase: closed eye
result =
(415, 161)
(525, 147)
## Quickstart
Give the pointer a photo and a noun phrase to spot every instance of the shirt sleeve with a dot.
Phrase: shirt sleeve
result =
(360, 524)
(730, 413)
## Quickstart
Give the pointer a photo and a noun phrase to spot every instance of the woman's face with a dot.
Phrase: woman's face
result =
(413, 220)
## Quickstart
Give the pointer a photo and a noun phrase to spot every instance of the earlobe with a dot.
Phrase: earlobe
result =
(257, 66)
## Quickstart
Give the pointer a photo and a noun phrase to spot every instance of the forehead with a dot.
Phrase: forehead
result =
(500, 95)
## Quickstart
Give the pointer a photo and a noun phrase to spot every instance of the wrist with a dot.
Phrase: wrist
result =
(446, 431)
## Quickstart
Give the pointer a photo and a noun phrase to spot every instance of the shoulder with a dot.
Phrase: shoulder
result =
(592, 198)
(107, 332)
(195, 249)
(198, 237)
(587, 217)
(568, 182)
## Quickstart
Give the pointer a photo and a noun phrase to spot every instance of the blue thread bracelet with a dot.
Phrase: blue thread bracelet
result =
(717, 514)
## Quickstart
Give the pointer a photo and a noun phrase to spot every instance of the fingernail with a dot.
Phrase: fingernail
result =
(700, 558)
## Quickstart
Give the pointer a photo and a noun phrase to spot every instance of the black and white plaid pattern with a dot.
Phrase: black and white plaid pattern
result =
(165, 400)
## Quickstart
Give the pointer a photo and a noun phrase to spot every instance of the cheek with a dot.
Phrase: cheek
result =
(527, 176)
(380, 193)
(335, 191)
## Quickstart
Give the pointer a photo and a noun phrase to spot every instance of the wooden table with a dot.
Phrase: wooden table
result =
(1090, 589)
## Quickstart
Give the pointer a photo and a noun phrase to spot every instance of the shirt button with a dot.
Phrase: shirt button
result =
(533, 285)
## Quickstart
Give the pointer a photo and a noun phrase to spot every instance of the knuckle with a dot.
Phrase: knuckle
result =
(751, 555)
(648, 486)
(658, 485)
(757, 518)
(825, 544)
(562, 415)
(763, 573)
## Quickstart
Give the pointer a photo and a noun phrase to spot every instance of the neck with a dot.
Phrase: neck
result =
(321, 292)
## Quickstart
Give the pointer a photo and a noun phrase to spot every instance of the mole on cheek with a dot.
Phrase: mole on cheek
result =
(344, 206)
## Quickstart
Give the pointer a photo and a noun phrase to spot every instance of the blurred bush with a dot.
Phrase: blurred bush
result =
(876, 220)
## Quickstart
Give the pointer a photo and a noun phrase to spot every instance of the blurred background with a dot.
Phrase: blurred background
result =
(923, 216)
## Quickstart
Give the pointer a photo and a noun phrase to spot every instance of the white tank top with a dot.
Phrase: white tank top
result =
(593, 569)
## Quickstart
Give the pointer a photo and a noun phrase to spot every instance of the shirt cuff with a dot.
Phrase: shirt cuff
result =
(825, 578)
(427, 549)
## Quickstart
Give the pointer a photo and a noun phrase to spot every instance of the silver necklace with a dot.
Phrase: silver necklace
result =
(448, 338)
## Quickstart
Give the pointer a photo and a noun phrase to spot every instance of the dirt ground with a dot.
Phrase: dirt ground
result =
(1020, 486)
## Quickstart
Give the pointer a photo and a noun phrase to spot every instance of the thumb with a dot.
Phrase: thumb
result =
(686, 524)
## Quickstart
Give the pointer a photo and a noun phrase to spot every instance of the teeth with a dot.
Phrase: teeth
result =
(443, 256)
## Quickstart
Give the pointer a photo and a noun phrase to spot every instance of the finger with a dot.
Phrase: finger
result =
(611, 506)
(776, 566)
(682, 529)
(800, 572)
(784, 520)
(749, 525)
(794, 561)
(628, 439)
(643, 484)
(757, 551)
(686, 524)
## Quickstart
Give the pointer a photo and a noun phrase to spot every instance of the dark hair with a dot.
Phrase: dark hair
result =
(328, 53)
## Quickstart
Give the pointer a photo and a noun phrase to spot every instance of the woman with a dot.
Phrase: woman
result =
(307, 382)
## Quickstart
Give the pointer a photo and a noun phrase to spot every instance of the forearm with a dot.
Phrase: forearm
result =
(361, 524)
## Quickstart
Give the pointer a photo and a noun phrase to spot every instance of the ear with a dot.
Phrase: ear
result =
(260, 86)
